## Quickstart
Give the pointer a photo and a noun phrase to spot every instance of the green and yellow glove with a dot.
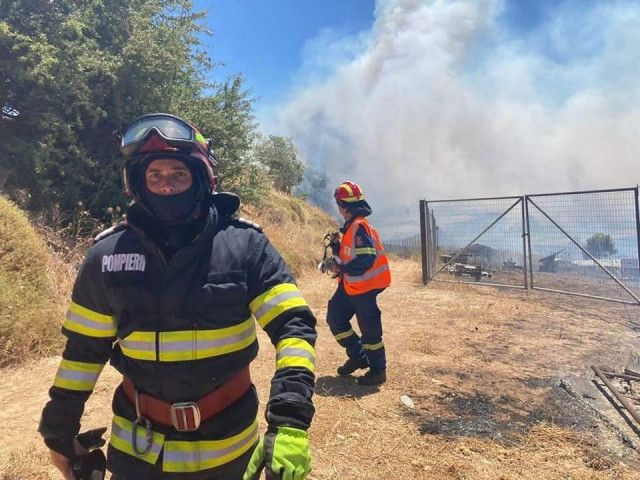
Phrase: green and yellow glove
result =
(284, 452)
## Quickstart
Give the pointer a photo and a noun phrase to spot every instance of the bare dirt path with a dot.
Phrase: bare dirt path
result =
(488, 371)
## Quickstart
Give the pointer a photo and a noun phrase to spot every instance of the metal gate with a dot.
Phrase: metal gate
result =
(579, 243)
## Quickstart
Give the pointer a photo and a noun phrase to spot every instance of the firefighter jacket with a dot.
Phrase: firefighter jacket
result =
(178, 329)
(361, 241)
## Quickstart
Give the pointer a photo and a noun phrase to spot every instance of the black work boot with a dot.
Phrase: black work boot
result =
(372, 377)
(353, 364)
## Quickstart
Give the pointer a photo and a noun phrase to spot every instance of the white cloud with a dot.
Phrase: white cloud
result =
(441, 100)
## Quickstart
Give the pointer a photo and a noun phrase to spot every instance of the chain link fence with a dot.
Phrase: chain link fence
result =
(579, 243)
(403, 247)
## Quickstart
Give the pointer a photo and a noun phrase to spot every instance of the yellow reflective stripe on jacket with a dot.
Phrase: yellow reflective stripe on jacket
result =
(199, 344)
(343, 335)
(365, 251)
(78, 376)
(139, 345)
(122, 439)
(372, 346)
(184, 345)
(275, 301)
(295, 352)
(87, 322)
(181, 456)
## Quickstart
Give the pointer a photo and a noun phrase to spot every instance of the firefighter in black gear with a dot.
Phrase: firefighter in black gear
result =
(171, 298)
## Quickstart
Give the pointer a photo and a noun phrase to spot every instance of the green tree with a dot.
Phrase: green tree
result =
(226, 117)
(280, 156)
(600, 245)
(73, 74)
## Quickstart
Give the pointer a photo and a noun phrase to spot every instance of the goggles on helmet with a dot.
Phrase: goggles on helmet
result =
(176, 133)
(164, 134)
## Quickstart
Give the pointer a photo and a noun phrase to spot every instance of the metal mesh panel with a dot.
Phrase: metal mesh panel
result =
(602, 222)
(478, 240)
(403, 247)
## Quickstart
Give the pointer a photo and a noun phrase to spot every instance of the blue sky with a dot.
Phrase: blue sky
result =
(265, 39)
(443, 98)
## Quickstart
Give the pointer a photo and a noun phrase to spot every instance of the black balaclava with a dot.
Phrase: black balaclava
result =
(172, 220)
(171, 209)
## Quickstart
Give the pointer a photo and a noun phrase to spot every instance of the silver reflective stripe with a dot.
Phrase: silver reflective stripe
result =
(275, 301)
(127, 436)
(196, 344)
(87, 322)
(198, 456)
(296, 352)
(138, 345)
(89, 377)
(368, 275)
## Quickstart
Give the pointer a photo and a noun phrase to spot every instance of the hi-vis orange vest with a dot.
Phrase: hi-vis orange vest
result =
(378, 276)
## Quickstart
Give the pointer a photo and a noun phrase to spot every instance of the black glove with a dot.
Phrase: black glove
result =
(92, 466)
(89, 462)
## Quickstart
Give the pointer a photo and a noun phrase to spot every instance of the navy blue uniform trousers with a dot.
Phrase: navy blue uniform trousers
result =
(342, 307)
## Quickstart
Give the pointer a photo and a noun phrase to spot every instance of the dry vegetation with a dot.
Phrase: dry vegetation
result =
(484, 368)
(294, 227)
(37, 269)
(34, 289)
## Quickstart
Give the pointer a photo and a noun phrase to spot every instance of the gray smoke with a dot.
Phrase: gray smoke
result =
(442, 99)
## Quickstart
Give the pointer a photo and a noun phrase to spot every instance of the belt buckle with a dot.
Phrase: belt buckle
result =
(181, 414)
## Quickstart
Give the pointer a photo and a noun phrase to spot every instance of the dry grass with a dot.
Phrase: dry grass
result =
(34, 287)
(38, 267)
(481, 365)
(454, 349)
(294, 227)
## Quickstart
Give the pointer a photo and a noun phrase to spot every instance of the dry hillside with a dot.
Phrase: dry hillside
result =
(484, 368)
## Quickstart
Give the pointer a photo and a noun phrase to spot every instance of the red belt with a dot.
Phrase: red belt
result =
(186, 416)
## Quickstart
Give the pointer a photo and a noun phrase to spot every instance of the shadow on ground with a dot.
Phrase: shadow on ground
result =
(328, 386)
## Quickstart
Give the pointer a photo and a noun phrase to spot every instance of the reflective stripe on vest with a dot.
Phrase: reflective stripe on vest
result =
(181, 456)
(378, 276)
(79, 376)
(295, 352)
(87, 322)
(122, 436)
(185, 345)
(276, 301)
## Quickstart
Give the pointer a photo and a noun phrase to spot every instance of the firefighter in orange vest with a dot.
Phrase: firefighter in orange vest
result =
(363, 273)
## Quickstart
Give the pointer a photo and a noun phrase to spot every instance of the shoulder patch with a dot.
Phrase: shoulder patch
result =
(243, 222)
(110, 231)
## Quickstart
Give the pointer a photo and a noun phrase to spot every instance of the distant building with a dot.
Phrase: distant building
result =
(620, 267)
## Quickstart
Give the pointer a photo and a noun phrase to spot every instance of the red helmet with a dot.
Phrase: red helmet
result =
(348, 193)
(168, 135)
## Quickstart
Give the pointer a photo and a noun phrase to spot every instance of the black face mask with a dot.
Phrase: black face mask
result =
(172, 208)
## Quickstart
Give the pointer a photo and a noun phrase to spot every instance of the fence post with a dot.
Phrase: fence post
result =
(525, 235)
(423, 238)
(635, 192)
(526, 198)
